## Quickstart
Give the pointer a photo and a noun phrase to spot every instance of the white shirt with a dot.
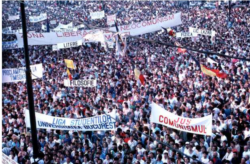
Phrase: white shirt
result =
(228, 156)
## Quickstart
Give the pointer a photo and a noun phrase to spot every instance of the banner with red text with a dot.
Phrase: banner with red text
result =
(201, 125)
(133, 29)
(7, 160)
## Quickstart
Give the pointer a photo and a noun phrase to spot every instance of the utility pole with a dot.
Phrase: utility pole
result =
(29, 84)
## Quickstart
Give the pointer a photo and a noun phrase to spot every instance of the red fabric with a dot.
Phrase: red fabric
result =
(126, 140)
(171, 33)
(120, 101)
(142, 79)
(181, 50)
(172, 58)
(218, 73)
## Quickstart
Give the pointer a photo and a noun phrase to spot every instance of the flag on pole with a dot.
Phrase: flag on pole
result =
(69, 63)
(139, 76)
(212, 72)
(69, 74)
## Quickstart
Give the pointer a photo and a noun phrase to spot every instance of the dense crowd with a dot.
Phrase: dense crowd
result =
(173, 81)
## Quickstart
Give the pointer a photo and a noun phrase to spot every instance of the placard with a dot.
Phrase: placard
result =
(80, 83)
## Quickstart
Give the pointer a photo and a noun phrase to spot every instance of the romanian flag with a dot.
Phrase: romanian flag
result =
(213, 72)
(139, 76)
(69, 63)
(69, 74)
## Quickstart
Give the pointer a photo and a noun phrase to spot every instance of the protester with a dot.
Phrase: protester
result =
(172, 80)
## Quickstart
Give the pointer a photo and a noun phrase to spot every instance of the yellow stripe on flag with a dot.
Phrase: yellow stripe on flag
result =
(137, 74)
(207, 71)
(69, 63)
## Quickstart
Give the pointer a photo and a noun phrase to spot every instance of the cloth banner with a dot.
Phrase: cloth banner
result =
(12, 18)
(185, 34)
(97, 15)
(10, 75)
(97, 123)
(41, 17)
(69, 44)
(133, 29)
(202, 32)
(70, 25)
(53, 22)
(7, 160)
(161, 116)
(96, 36)
(80, 83)
(111, 19)
(54, 48)
(10, 45)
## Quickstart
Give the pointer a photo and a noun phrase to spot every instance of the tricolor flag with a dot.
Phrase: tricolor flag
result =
(69, 74)
(69, 63)
(170, 31)
(212, 72)
(139, 76)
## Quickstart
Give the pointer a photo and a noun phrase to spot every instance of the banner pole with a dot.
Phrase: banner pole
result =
(29, 84)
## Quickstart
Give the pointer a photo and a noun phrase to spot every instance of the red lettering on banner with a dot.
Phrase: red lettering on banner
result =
(35, 35)
(58, 35)
(194, 129)
(73, 33)
(188, 122)
(78, 32)
(171, 123)
(66, 34)
(171, 17)
(144, 24)
(41, 35)
(160, 20)
(122, 28)
(160, 118)
(133, 26)
(28, 35)
(166, 120)
(127, 27)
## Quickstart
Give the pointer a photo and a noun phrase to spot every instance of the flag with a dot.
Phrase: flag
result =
(69, 63)
(69, 74)
(212, 72)
(209, 60)
(170, 31)
(139, 76)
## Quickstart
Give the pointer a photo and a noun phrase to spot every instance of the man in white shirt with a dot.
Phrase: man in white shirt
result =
(229, 155)
(132, 143)
(140, 149)
(205, 158)
(246, 152)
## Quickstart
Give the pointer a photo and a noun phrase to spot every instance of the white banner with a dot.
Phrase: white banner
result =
(97, 15)
(12, 18)
(161, 116)
(96, 36)
(111, 19)
(202, 31)
(41, 17)
(7, 160)
(54, 48)
(53, 22)
(80, 83)
(97, 123)
(18, 74)
(185, 34)
(133, 29)
(10, 45)
(69, 44)
(70, 25)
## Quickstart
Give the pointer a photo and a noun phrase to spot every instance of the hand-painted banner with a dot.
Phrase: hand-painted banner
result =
(97, 36)
(69, 44)
(12, 18)
(10, 75)
(97, 123)
(97, 15)
(10, 45)
(41, 17)
(133, 29)
(202, 31)
(7, 160)
(161, 116)
(80, 83)
(111, 19)
(185, 34)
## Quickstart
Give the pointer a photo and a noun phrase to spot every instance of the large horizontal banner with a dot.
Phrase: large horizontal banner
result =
(161, 116)
(201, 31)
(97, 15)
(41, 17)
(185, 34)
(10, 45)
(96, 123)
(133, 29)
(14, 17)
(80, 83)
(69, 44)
(18, 74)
(7, 160)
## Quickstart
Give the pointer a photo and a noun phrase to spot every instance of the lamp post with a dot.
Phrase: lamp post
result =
(29, 84)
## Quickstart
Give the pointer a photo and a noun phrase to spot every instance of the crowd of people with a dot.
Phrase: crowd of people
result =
(173, 80)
